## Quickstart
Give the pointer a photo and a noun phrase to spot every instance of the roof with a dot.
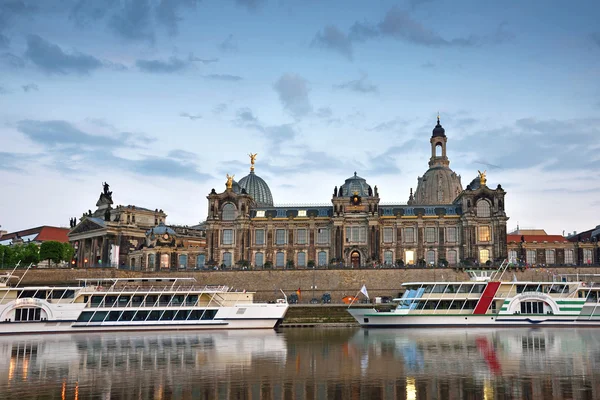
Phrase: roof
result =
(536, 238)
(528, 232)
(39, 234)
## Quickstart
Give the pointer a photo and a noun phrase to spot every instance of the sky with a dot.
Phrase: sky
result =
(163, 98)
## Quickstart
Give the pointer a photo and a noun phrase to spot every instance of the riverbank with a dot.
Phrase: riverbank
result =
(323, 315)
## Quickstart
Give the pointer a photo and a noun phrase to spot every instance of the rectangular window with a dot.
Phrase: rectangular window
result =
(227, 236)
(279, 259)
(259, 259)
(280, 236)
(484, 234)
(183, 261)
(512, 256)
(550, 257)
(301, 236)
(323, 235)
(568, 256)
(409, 235)
(451, 235)
(388, 235)
(259, 236)
(356, 234)
(388, 257)
(451, 257)
(302, 213)
(530, 256)
(322, 258)
(302, 259)
(430, 235)
(587, 256)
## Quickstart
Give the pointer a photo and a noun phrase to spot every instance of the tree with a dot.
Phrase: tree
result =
(51, 251)
(68, 252)
(29, 253)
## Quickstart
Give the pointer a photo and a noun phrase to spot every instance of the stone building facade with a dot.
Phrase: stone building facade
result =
(441, 223)
(132, 237)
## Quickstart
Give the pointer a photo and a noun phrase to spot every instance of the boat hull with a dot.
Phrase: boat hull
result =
(372, 319)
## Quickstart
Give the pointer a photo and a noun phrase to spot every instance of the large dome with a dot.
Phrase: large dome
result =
(355, 184)
(256, 187)
(439, 185)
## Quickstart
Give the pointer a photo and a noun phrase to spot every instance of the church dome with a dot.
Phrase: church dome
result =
(256, 187)
(438, 130)
(439, 185)
(355, 184)
(161, 230)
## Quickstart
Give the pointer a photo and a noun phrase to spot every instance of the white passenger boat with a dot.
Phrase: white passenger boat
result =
(486, 300)
(132, 304)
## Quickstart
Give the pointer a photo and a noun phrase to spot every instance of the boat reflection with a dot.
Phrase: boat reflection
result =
(305, 364)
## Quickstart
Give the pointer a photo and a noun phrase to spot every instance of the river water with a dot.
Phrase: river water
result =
(305, 364)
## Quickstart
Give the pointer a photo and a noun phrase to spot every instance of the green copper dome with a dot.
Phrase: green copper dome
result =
(256, 187)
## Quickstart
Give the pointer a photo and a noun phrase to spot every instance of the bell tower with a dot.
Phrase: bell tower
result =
(438, 146)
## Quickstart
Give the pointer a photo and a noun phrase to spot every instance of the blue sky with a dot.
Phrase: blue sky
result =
(162, 99)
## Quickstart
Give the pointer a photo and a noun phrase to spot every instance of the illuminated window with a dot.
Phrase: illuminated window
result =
(484, 233)
(484, 256)
(302, 213)
(260, 214)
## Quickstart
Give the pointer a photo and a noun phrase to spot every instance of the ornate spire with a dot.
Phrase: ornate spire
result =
(252, 158)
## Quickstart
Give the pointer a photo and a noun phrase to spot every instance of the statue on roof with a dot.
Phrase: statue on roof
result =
(106, 186)
(341, 192)
(482, 179)
(252, 159)
(376, 191)
(229, 181)
(370, 191)
(335, 191)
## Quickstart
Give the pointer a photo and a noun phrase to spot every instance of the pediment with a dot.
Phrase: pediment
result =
(86, 225)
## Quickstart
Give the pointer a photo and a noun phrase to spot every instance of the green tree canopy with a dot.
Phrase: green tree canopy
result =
(68, 252)
(52, 251)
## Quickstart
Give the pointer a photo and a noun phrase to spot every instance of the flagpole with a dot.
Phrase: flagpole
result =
(354, 298)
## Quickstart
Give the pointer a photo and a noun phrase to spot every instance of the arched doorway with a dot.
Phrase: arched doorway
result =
(355, 259)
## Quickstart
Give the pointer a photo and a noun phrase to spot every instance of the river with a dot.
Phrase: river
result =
(325, 363)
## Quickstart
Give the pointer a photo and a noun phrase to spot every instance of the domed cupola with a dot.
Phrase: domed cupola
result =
(256, 187)
(439, 184)
(355, 185)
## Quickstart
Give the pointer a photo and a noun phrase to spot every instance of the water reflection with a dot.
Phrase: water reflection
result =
(304, 363)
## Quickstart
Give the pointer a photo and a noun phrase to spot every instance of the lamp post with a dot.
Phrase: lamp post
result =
(314, 286)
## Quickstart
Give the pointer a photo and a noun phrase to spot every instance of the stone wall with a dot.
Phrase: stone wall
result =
(266, 284)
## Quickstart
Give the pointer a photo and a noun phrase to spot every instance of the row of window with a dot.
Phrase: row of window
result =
(227, 237)
(164, 261)
(150, 300)
(146, 315)
(28, 314)
(439, 305)
(259, 259)
(531, 256)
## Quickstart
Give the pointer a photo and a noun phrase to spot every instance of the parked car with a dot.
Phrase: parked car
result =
(293, 298)
(326, 298)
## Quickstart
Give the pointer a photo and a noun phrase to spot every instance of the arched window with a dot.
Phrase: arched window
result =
(228, 212)
(279, 259)
(430, 257)
(151, 262)
(200, 261)
(388, 257)
(302, 259)
(227, 259)
(322, 258)
(438, 150)
(483, 208)
(259, 260)
(484, 256)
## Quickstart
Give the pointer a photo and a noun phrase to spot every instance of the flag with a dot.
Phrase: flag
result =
(299, 293)
(363, 290)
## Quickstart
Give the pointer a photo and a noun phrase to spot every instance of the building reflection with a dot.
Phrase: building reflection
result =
(305, 364)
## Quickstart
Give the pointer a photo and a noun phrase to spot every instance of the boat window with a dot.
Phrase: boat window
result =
(28, 314)
(151, 300)
(137, 301)
(99, 316)
(113, 316)
(140, 316)
(127, 316)
(167, 315)
(465, 288)
(592, 296)
(164, 300)
(452, 288)
(109, 301)
(96, 300)
(85, 316)
(177, 300)
(123, 300)
(427, 288)
(191, 300)
(532, 307)
(209, 314)
(26, 293)
(154, 315)
(478, 288)
(439, 288)
(182, 315)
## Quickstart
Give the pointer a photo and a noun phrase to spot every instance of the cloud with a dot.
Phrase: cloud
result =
(219, 108)
(275, 135)
(293, 94)
(52, 59)
(61, 133)
(16, 162)
(388, 125)
(12, 60)
(190, 116)
(228, 45)
(173, 64)
(400, 24)
(182, 155)
(251, 5)
(133, 21)
(333, 39)
(359, 85)
(224, 77)
(30, 87)
(386, 162)
(167, 13)
(203, 60)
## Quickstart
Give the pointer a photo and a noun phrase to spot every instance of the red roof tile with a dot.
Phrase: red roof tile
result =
(536, 238)
(52, 233)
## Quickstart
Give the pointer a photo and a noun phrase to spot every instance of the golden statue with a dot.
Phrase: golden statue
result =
(252, 158)
(482, 179)
(229, 181)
